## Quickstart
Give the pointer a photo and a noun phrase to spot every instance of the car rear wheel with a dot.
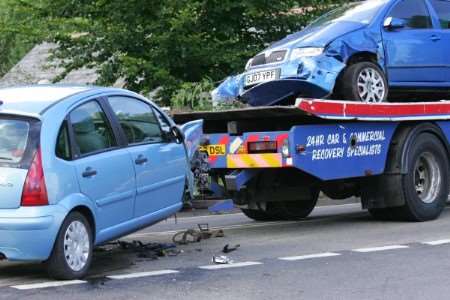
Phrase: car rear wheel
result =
(293, 210)
(72, 252)
(363, 81)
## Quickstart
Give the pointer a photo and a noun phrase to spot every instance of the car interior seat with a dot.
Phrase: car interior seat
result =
(86, 135)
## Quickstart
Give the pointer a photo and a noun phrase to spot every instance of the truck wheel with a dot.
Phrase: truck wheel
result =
(257, 215)
(363, 81)
(293, 210)
(425, 187)
(72, 252)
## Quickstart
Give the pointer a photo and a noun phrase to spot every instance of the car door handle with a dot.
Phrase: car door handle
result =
(435, 38)
(89, 172)
(140, 160)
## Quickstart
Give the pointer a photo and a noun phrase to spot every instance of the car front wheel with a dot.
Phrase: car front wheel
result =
(72, 252)
(363, 81)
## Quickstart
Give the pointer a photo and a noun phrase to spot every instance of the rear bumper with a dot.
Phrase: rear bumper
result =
(28, 233)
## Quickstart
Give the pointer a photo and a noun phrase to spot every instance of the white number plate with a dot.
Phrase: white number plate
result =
(262, 76)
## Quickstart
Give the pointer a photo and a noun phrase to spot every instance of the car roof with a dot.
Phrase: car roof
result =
(33, 100)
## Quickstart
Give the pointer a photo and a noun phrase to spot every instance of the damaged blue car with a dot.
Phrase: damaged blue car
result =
(359, 51)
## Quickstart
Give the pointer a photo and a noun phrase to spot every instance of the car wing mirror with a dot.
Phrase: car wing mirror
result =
(177, 134)
(394, 23)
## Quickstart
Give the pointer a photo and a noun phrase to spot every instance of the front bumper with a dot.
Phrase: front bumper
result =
(29, 233)
(310, 77)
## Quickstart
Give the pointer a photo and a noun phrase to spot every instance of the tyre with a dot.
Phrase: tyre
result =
(425, 187)
(72, 253)
(257, 214)
(293, 210)
(363, 81)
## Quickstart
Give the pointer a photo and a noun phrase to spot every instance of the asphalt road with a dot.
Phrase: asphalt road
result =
(340, 252)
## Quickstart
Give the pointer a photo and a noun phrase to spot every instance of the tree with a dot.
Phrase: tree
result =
(153, 44)
(19, 32)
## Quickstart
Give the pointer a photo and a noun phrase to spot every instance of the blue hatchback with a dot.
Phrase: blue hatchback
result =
(357, 52)
(83, 165)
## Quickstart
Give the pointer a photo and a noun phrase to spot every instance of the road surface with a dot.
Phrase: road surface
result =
(340, 252)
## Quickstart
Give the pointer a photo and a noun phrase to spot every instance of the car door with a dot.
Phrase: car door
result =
(159, 161)
(415, 51)
(104, 170)
(442, 11)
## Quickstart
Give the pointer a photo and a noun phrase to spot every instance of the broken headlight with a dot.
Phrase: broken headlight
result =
(306, 52)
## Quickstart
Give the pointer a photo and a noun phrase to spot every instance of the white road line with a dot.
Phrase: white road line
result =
(309, 256)
(143, 274)
(228, 266)
(437, 242)
(49, 284)
(383, 248)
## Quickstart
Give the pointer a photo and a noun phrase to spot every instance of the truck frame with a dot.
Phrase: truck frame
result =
(273, 161)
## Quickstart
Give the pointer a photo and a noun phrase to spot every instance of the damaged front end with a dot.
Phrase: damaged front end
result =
(310, 77)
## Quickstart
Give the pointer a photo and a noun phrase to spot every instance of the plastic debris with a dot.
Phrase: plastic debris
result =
(228, 249)
(222, 260)
(195, 236)
(143, 250)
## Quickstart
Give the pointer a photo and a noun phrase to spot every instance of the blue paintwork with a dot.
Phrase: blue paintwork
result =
(329, 154)
(410, 58)
(121, 199)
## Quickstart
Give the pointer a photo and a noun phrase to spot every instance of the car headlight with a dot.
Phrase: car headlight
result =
(306, 52)
(285, 148)
(249, 63)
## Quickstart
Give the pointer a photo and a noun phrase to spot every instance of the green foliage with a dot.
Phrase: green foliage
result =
(152, 44)
(164, 45)
(18, 32)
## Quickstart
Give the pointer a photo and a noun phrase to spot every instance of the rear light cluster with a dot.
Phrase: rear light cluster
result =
(262, 147)
(34, 190)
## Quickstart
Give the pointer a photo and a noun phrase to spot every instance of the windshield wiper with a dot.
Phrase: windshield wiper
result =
(5, 158)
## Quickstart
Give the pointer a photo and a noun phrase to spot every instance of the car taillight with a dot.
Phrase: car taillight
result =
(34, 190)
(262, 147)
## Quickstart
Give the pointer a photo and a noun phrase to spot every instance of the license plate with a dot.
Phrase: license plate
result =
(214, 150)
(262, 76)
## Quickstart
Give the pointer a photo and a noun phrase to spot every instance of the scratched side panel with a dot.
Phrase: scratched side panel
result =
(329, 153)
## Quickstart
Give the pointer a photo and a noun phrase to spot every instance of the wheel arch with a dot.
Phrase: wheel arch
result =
(83, 205)
(362, 57)
(404, 136)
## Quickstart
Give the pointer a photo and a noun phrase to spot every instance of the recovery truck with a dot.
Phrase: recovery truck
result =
(273, 161)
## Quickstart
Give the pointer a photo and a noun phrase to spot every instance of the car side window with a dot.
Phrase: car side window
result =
(63, 150)
(414, 13)
(442, 9)
(137, 120)
(92, 131)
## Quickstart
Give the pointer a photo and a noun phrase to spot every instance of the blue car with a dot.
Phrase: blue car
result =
(80, 166)
(358, 51)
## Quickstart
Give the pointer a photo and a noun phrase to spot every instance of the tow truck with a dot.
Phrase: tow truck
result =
(274, 161)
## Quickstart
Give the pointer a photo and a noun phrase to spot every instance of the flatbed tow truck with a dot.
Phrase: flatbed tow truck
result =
(273, 161)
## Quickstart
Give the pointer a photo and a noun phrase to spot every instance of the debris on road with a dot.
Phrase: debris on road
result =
(195, 236)
(143, 250)
(228, 249)
(222, 260)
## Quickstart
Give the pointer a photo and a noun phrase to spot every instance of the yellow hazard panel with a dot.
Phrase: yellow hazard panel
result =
(214, 150)
(246, 161)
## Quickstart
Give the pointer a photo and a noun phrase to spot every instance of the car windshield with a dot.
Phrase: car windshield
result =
(359, 12)
(13, 140)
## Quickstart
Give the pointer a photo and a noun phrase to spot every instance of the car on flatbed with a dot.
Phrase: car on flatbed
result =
(80, 166)
(359, 51)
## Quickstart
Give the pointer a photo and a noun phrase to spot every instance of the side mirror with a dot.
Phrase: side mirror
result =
(177, 134)
(394, 23)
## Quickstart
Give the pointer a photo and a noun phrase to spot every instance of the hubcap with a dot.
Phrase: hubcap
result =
(76, 246)
(427, 178)
(371, 87)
